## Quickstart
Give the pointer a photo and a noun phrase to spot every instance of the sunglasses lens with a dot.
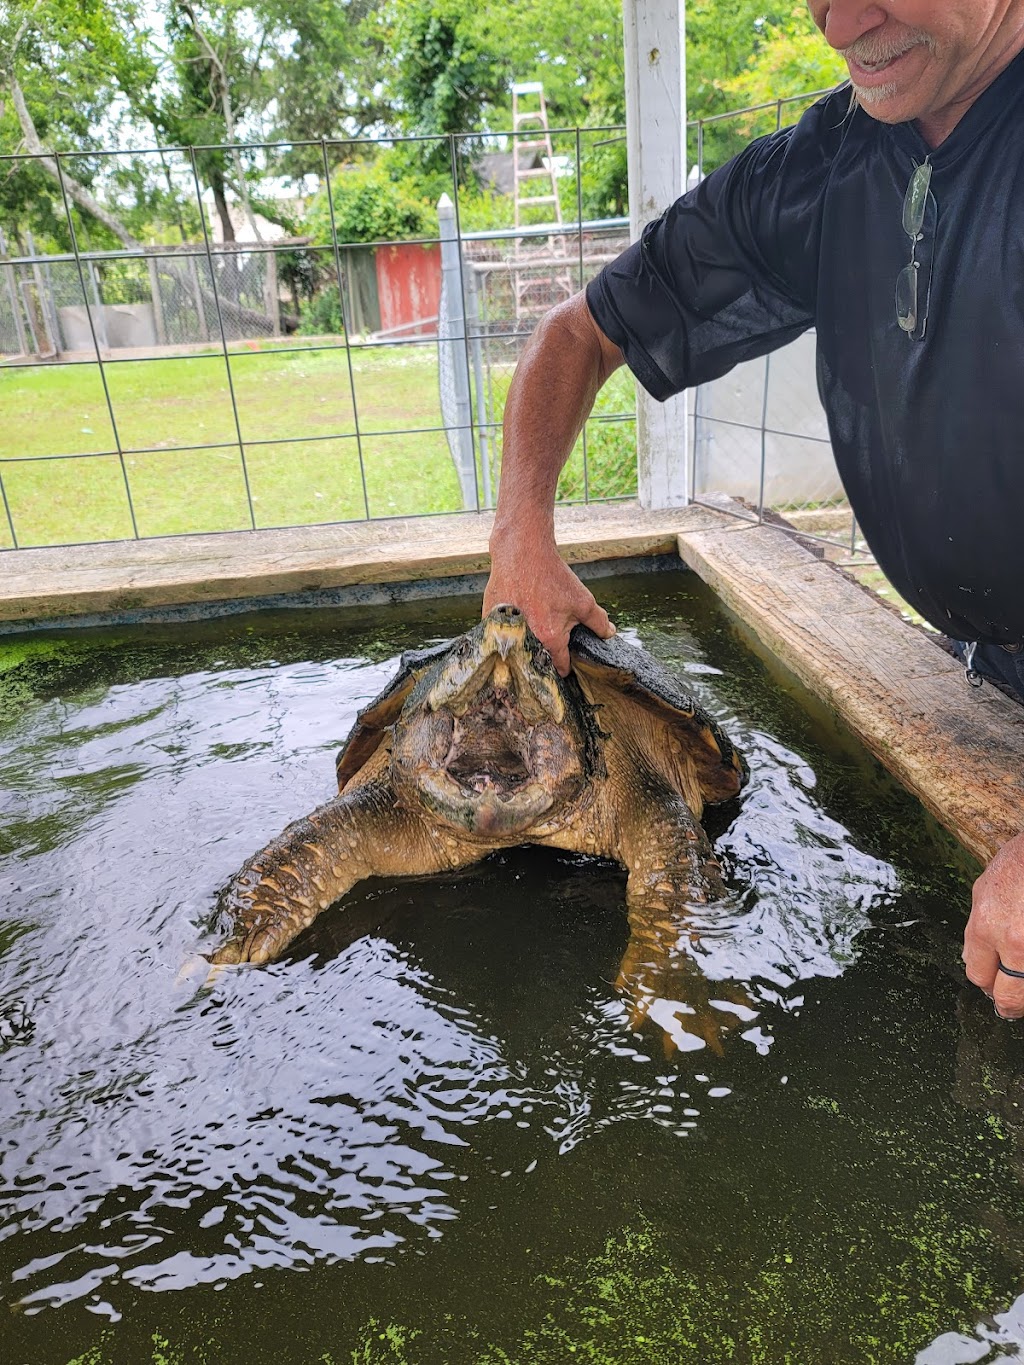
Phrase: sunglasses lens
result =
(906, 298)
(916, 199)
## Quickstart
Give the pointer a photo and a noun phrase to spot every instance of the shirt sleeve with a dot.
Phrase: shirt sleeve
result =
(729, 272)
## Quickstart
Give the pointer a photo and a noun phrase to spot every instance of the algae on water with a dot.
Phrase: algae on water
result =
(631, 1304)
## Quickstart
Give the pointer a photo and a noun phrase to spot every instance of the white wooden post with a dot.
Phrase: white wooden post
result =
(453, 359)
(656, 145)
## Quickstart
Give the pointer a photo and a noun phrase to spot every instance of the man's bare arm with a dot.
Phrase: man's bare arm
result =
(565, 363)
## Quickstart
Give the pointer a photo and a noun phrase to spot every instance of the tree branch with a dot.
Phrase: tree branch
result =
(229, 116)
(78, 193)
(16, 43)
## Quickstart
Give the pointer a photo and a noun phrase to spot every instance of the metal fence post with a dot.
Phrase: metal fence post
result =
(656, 148)
(270, 288)
(11, 278)
(158, 303)
(456, 397)
(197, 295)
(46, 342)
(101, 317)
(476, 347)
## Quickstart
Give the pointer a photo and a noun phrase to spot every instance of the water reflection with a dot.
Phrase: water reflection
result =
(418, 1046)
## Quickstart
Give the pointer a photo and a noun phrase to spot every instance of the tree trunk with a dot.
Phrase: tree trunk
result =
(227, 227)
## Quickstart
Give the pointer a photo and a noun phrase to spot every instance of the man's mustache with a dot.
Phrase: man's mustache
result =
(873, 49)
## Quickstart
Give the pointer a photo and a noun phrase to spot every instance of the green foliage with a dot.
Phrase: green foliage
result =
(72, 61)
(484, 210)
(749, 54)
(790, 59)
(604, 180)
(370, 206)
(323, 65)
(321, 315)
(445, 75)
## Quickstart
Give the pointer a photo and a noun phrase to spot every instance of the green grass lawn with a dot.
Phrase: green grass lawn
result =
(300, 397)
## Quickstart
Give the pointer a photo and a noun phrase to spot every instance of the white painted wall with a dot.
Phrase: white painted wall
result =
(726, 431)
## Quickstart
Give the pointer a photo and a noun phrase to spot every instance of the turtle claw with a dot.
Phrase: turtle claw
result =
(192, 968)
(203, 971)
(229, 954)
(217, 970)
(667, 988)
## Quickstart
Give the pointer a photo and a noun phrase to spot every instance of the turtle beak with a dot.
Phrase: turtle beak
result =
(506, 638)
(504, 631)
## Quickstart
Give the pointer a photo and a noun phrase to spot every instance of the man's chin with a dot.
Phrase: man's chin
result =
(884, 103)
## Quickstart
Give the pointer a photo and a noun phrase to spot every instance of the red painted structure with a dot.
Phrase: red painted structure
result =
(409, 288)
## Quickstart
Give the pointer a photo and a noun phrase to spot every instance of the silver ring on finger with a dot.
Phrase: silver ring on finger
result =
(1011, 971)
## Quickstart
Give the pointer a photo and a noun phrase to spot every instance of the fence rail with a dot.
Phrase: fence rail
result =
(205, 385)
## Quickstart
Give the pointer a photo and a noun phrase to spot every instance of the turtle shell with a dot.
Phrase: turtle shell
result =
(629, 672)
(633, 674)
(366, 734)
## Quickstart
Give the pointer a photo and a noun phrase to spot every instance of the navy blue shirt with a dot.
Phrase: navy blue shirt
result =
(804, 228)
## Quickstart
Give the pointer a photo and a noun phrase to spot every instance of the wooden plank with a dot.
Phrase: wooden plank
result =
(655, 70)
(959, 749)
(48, 584)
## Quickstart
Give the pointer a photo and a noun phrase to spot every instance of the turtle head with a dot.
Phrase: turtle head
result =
(502, 653)
(489, 740)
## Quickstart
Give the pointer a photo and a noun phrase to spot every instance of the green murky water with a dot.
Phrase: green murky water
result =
(428, 1135)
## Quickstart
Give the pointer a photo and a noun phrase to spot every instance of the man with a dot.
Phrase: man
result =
(892, 222)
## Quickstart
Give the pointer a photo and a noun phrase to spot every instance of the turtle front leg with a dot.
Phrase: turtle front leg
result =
(672, 869)
(281, 890)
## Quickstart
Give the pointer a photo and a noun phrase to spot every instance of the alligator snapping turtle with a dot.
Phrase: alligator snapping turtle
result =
(479, 744)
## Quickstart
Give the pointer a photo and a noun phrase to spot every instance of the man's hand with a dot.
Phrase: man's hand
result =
(995, 930)
(565, 362)
(548, 593)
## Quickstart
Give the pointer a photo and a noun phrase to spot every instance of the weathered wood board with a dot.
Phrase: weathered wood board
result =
(959, 749)
(50, 584)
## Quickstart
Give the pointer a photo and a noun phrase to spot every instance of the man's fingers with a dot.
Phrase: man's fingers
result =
(558, 648)
(995, 930)
(598, 620)
(1008, 996)
(980, 963)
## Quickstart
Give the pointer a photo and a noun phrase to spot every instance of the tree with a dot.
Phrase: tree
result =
(792, 58)
(454, 61)
(64, 65)
(326, 73)
(750, 54)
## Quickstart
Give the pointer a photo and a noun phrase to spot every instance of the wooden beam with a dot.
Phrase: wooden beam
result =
(122, 576)
(959, 749)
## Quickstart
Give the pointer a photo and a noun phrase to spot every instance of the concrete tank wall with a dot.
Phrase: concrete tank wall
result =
(781, 390)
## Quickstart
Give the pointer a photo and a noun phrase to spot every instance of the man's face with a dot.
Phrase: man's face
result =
(911, 59)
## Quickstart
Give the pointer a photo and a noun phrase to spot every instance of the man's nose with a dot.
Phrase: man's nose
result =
(844, 21)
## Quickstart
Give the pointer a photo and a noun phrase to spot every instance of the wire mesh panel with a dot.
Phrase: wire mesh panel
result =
(296, 341)
(760, 432)
(760, 436)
